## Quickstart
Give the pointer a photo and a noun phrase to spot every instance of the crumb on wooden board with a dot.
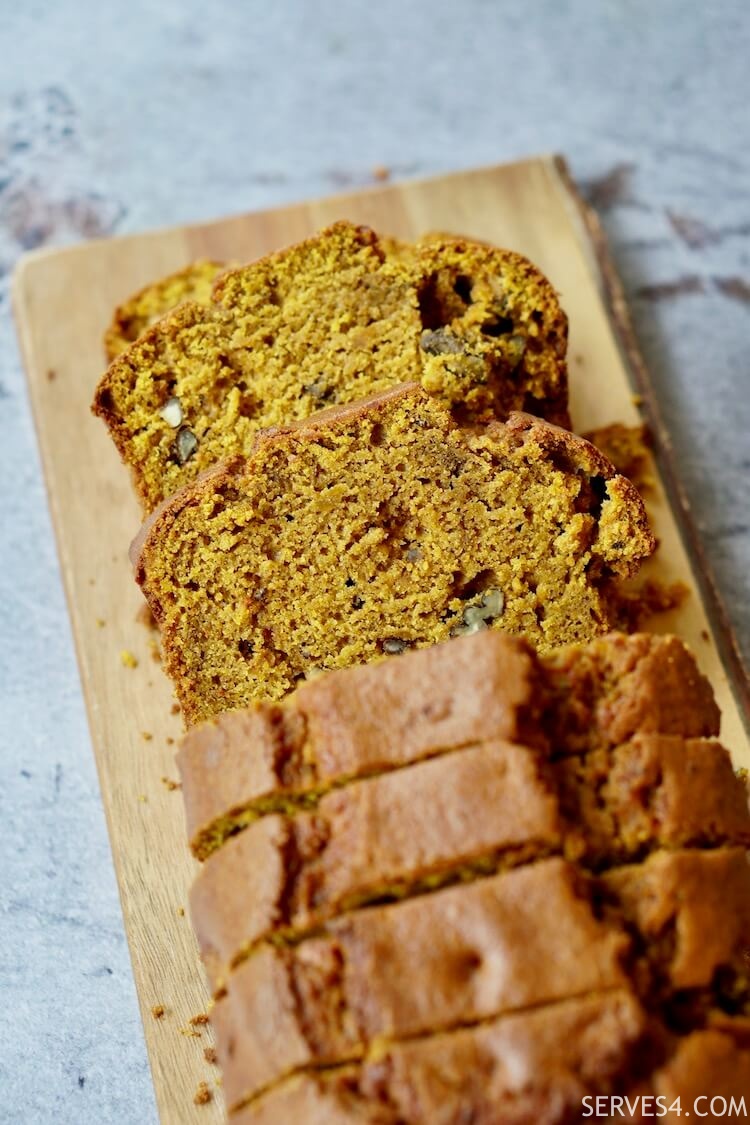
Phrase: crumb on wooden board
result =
(203, 1094)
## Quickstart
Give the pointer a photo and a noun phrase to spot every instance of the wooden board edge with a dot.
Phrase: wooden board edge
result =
(30, 258)
(613, 294)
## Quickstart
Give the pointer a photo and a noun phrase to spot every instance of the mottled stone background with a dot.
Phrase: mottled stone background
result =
(119, 116)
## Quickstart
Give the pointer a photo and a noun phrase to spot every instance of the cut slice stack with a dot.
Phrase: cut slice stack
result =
(472, 883)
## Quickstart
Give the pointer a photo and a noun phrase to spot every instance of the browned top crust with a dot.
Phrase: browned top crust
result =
(521, 939)
(457, 815)
(371, 718)
(355, 722)
(430, 823)
(516, 1069)
(622, 685)
(334, 1005)
(656, 790)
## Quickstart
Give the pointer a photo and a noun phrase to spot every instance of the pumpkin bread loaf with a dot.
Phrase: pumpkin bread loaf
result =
(523, 899)
(376, 528)
(282, 757)
(332, 320)
(131, 319)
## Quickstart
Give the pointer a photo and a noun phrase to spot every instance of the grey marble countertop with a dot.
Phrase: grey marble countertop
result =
(115, 117)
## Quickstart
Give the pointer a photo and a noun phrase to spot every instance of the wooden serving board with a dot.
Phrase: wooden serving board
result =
(63, 301)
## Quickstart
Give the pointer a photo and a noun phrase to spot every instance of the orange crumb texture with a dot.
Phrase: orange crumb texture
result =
(171, 785)
(128, 658)
(158, 1011)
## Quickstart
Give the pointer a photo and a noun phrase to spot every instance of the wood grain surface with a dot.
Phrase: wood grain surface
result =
(63, 301)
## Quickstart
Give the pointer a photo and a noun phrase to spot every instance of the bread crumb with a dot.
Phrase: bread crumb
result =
(51, 375)
(635, 607)
(627, 449)
(146, 735)
(704, 635)
(175, 709)
(202, 1095)
(158, 1011)
(181, 911)
(190, 1033)
(209, 1054)
(129, 659)
(171, 785)
(198, 1021)
(381, 173)
(144, 616)
(637, 400)
(101, 622)
(170, 741)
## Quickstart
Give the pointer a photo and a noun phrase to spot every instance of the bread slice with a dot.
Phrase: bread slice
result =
(620, 685)
(448, 819)
(706, 1065)
(353, 723)
(377, 528)
(691, 910)
(520, 940)
(131, 319)
(527, 1067)
(282, 757)
(332, 320)
(654, 791)
(458, 817)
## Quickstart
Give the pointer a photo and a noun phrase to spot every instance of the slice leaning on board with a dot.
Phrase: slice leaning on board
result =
(327, 322)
